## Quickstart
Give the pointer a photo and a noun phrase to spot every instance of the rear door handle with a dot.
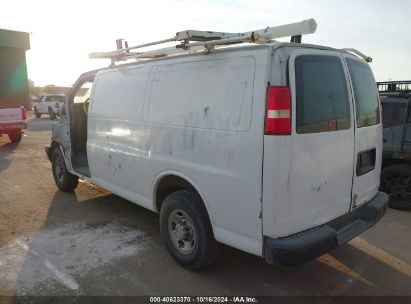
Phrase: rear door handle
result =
(366, 161)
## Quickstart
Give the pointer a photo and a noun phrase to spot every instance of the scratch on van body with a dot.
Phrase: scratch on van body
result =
(206, 112)
(288, 182)
(317, 188)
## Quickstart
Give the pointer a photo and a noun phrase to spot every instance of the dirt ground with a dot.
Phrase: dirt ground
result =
(91, 242)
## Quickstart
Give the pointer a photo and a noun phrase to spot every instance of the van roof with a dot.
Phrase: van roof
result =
(204, 42)
(230, 48)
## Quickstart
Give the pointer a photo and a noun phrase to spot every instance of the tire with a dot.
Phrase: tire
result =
(186, 230)
(396, 181)
(36, 113)
(15, 137)
(64, 180)
(52, 114)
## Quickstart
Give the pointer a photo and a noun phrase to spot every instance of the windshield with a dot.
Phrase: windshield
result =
(55, 98)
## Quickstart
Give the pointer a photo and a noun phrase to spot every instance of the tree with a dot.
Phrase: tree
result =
(34, 91)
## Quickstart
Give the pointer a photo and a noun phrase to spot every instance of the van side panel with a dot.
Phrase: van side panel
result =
(114, 130)
(277, 164)
(208, 94)
(205, 120)
(276, 185)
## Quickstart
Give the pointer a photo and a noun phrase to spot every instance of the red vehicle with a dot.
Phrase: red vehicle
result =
(14, 89)
(12, 122)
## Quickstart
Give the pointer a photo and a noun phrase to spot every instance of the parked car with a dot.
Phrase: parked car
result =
(396, 173)
(50, 104)
(13, 120)
(258, 147)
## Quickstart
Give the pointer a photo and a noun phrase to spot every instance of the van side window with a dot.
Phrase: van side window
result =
(321, 94)
(83, 92)
(365, 93)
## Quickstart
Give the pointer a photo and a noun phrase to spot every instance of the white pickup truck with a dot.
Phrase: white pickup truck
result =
(12, 122)
(49, 104)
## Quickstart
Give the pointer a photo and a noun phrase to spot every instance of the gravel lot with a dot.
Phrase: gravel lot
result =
(91, 242)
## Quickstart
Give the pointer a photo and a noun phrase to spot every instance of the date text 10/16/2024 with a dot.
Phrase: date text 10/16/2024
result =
(203, 299)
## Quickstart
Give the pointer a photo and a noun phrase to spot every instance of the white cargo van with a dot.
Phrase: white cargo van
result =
(272, 148)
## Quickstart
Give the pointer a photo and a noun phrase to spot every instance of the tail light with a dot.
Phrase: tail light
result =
(23, 113)
(278, 111)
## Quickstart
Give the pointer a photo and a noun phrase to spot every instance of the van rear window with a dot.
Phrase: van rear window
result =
(365, 93)
(321, 94)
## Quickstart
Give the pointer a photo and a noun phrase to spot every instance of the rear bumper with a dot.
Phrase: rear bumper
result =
(309, 244)
(46, 110)
(12, 127)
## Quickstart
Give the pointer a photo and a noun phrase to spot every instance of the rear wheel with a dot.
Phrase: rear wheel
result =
(36, 113)
(187, 231)
(52, 114)
(65, 181)
(396, 181)
(15, 137)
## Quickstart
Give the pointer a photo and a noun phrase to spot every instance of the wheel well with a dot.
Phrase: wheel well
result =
(54, 144)
(168, 185)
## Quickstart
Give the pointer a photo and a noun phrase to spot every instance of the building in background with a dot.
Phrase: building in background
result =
(14, 87)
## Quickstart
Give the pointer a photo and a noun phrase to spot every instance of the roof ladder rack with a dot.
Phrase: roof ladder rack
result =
(394, 86)
(358, 53)
(192, 40)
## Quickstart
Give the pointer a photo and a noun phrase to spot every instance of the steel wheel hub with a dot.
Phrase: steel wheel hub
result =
(182, 232)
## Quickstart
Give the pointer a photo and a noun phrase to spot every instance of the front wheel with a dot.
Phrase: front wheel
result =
(186, 229)
(15, 137)
(64, 180)
(396, 181)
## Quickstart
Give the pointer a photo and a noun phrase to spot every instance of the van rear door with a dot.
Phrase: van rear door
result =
(368, 132)
(323, 144)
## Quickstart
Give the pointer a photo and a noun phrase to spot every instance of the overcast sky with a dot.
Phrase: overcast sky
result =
(64, 32)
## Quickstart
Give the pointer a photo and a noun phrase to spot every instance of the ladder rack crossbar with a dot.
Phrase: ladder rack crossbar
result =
(394, 86)
(358, 53)
(120, 52)
(193, 40)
